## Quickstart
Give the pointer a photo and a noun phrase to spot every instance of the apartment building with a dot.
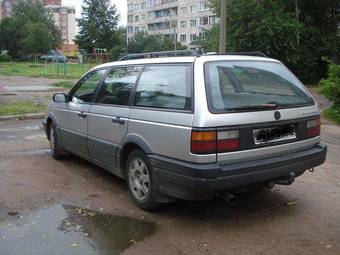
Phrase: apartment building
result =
(6, 8)
(64, 17)
(184, 20)
(65, 20)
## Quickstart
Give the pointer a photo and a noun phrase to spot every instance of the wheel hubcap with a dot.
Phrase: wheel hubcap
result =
(139, 179)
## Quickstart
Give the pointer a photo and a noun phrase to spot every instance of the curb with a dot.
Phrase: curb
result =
(31, 116)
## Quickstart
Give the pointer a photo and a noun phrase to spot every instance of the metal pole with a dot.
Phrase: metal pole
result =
(175, 38)
(223, 26)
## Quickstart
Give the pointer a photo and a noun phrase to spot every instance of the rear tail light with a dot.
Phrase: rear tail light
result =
(203, 142)
(228, 140)
(313, 128)
(209, 142)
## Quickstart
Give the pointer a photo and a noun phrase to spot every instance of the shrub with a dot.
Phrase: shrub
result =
(330, 87)
(5, 58)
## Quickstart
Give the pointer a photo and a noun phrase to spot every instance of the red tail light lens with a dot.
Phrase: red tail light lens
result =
(209, 142)
(228, 141)
(203, 142)
(313, 128)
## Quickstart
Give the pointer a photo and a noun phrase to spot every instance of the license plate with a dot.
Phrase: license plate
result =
(274, 134)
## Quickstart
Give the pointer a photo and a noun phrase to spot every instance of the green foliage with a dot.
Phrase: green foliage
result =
(64, 84)
(5, 58)
(143, 42)
(333, 113)
(30, 30)
(330, 87)
(20, 108)
(98, 25)
(210, 43)
(297, 32)
(74, 71)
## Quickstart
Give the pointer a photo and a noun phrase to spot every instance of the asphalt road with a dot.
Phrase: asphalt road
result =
(73, 207)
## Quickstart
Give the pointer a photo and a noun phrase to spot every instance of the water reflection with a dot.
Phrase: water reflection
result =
(66, 229)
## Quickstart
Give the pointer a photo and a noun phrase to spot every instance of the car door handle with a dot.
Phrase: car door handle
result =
(118, 120)
(82, 115)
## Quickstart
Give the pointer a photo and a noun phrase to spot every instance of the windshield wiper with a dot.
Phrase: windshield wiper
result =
(267, 106)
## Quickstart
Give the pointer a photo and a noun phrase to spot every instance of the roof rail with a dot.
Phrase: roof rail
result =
(245, 53)
(160, 54)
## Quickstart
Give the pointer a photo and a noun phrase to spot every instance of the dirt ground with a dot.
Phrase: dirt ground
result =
(35, 190)
(15, 88)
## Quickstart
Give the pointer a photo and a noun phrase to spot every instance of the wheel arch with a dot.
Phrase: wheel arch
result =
(130, 143)
(49, 119)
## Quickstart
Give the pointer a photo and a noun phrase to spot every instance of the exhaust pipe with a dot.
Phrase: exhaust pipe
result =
(289, 179)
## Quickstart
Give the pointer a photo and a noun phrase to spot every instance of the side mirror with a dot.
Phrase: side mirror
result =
(59, 98)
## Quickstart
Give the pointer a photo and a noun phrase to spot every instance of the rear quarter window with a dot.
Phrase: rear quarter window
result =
(165, 87)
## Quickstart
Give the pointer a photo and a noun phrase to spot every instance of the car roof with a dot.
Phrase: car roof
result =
(167, 60)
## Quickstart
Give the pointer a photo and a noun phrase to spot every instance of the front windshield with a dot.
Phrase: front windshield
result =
(249, 85)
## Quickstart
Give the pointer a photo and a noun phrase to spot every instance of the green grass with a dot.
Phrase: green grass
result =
(73, 71)
(20, 108)
(333, 113)
(64, 84)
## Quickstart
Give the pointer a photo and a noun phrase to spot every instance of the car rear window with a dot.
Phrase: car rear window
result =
(165, 87)
(252, 85)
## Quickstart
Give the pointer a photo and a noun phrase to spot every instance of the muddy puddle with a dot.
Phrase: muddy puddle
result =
(70, 230)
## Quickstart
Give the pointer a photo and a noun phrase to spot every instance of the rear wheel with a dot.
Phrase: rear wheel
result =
(139, 180)
(55, 146)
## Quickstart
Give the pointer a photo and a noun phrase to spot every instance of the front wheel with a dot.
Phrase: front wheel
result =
(55, 145)
(139, 180)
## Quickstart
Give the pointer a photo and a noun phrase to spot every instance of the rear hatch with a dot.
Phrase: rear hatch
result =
(257, 109)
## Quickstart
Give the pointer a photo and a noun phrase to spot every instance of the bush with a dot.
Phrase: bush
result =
(330, 87)
(5, 58)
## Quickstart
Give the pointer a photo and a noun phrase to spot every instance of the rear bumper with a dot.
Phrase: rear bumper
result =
(200, 181)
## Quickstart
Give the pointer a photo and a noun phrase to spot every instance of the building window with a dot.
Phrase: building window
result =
(137, 18)
(130, 7)
(183, 38)
(183, 23)
(143, 5)
(130, 30)
(130, 18)
(204, 6)
(204, 21)
(143, 16)
(184, 10)
(193, 23)
(193, 8)
(143, 28)
(137, 30)
(193, 37)
(136, 7)
(212, 20)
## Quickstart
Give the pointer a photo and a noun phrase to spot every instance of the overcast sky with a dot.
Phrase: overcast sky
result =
(120, 4)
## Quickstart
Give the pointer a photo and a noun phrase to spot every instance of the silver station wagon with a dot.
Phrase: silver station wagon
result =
(189, 127)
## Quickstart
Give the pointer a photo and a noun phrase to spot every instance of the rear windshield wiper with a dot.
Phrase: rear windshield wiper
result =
(267, 106)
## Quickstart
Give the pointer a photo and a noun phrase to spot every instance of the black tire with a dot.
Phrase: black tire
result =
(55, 145)
(144, 201)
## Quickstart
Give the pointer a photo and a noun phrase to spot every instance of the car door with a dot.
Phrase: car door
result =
(72, 117)
(109, 115)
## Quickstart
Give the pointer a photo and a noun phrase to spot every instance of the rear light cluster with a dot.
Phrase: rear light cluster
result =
(209, 142)
(313, 128)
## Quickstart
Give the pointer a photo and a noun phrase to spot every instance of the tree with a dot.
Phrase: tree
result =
(143, 42)
(298, 32)
(98, 26)
(30, 30)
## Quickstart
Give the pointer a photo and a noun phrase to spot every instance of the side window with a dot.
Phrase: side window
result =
(117, 86)
(85, 91)
(167, 87)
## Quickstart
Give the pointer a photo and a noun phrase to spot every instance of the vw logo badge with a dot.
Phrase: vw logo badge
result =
(277, 115)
